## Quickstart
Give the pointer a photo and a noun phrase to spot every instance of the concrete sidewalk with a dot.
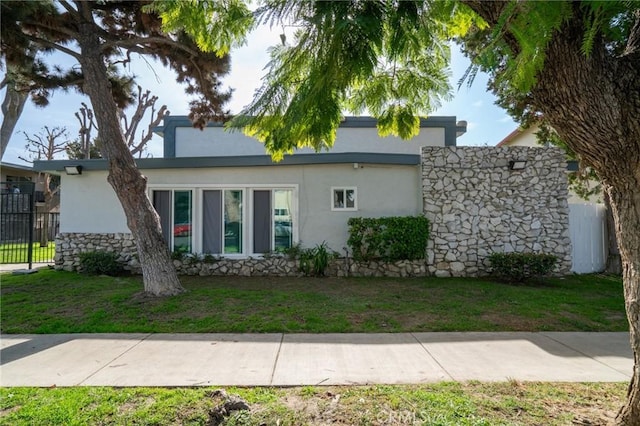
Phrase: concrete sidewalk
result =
(310, 359)
(11, 267)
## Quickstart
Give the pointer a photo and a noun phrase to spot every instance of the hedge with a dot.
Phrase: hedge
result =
(388, 238)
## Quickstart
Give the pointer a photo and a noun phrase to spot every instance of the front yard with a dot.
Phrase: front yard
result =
(66, 302)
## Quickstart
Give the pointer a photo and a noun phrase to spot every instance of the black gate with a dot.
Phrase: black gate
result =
(26, 235)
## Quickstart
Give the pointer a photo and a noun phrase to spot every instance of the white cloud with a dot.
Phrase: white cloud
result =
(478, 103)
(505, 119)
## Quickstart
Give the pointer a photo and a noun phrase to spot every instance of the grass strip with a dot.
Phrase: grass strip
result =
(506, 403)
(66, 302)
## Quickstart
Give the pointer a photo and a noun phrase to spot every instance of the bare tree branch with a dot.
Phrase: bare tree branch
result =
(633, 42)
(145, 102)
(87, 124)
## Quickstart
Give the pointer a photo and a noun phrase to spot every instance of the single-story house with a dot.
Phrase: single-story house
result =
(218, 192)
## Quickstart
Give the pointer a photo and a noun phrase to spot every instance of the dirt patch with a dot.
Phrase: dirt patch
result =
(506, 322)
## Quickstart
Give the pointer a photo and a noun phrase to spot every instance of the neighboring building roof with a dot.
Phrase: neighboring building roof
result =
(510, 137)
(4, 165)
(239, 161)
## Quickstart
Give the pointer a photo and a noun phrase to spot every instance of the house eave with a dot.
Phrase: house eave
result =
(239, 161)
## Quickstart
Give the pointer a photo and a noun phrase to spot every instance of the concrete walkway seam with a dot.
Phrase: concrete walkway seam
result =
(275, 361)
(432, 357)
(107, 364)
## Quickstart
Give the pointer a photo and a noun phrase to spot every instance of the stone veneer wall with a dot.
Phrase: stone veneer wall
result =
(477, 206)
(70, 245)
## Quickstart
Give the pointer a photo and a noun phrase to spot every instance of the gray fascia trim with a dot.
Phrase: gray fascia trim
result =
(240, 161)
(168, 130)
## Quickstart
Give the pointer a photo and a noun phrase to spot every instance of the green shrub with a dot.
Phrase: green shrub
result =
(100, 263)
(388, 238)
(314, 261)
(294, 251)
(518, 267)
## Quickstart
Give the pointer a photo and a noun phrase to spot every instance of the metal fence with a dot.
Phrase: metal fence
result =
(26, 235)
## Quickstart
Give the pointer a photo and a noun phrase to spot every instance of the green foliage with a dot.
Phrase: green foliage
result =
(294, 251)
(518, 267)
(314, 261)
(100, 263)
(585, 182)
(210, 258)
(512, 50)
(216, 26)
(388, 238)
(386, 58)
(75, 150)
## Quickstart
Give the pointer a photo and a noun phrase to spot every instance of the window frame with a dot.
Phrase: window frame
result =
(197, 199)
(172, 213)
(344, 190)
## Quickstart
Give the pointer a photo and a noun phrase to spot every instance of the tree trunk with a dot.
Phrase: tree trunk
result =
(44, 229)
(593, 102)
(159, 274)
(12, 107)
(614, 263)
(625, 202)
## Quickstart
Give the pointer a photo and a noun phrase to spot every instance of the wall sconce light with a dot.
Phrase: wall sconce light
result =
(73, 170)
(517, 164)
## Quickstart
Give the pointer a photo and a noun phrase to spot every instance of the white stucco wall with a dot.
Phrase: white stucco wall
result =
(90, 206)
(214, 141)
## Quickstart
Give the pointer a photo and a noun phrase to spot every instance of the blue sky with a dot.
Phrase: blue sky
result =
(487, 123)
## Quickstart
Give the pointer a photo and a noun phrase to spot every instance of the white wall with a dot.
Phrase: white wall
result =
(526, 137)
(214, 141)
(587, 227)
(89, 204)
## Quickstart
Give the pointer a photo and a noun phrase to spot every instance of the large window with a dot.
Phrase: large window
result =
(233, 221)
(222, 221)
(227, 221)
(175, 209)
(272, 220)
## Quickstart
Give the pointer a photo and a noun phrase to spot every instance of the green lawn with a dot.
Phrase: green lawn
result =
(509, 403)
(17, 253)
(66, 302)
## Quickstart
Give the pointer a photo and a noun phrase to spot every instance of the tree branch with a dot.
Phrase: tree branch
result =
(132, 43)
(59, 29)
(69, 8)
(56, 46)
(633, 42)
